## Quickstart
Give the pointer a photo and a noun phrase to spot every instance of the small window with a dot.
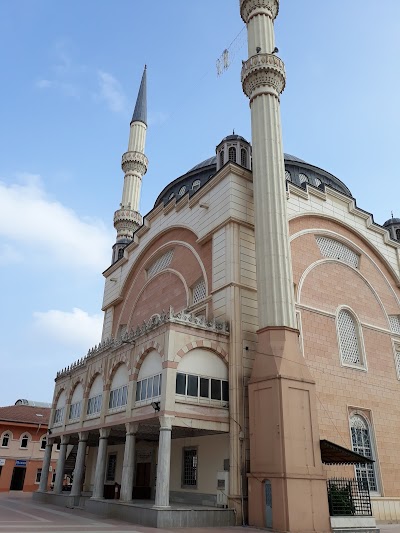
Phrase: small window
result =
(232, 154)
(398, 234)
(362, 443)
(120, 253)
(111, 467)
(303, 178)
(59, 416)
(221, 158)
(58, 447)
(189, 474)
(38, 475)
(43, 443)
(397, 359)
(172, 195)
(182, 191)
(349, 339)
(180, 383)
(317, 182)
(160, 264)
(215, 389)
(5, 440)
(94, 404)
(243, 157)
(395, 324)
(333, 249)
(204, 388)
(199, 291)
(24, 441)
(196, 185)
(118, 397)
(193, 386)
(288, 175)
(53, 477)
(75, 411)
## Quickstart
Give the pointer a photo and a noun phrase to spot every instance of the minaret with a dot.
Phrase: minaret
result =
(287, 486)
(134, 164)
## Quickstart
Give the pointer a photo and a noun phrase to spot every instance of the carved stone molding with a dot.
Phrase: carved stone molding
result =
(126, 221)
(263, 73)
(134, 162)
(251, 8)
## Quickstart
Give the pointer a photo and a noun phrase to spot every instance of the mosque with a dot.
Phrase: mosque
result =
(250, 354)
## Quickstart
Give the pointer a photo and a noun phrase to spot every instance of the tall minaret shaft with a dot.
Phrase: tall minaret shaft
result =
(263, 78)
(134, 164)
(286, 481)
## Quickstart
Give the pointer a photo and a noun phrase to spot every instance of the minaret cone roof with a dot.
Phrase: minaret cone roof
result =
(140, 112)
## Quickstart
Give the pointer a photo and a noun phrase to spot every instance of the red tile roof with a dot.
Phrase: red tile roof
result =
(25, 413)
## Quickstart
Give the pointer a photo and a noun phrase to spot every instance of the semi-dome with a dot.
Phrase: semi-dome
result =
(297, 171)
(392, 221)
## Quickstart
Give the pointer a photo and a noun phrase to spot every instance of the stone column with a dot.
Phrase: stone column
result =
(58, 484)
(128, 469)
(98, 489)
(79, 464)
(46, 465)
(164, 462)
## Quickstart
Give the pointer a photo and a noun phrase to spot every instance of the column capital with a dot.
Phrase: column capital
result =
(166, 422)
(104, 433)
(131, 428)
(251, 8)
(65, 439)
(83, 436)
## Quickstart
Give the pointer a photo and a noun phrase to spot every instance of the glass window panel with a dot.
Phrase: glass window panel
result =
(156, 383)
(150, 387)
(180, 383)
(143, 392)
(159, 385)
(225, 391)
(193, 386)
(216, 389)
(204, 387)
(138, 389)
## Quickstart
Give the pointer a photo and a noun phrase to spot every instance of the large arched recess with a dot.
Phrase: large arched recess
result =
(190, 262)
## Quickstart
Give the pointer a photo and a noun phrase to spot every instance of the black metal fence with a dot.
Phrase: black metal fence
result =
(348, 497)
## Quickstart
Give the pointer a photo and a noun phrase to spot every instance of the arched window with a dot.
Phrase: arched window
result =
(24, 440)
(349, 339)
(232, 154)
(43, 442)
(149, 381)
(182, 191)
(243, 157)
(362, 443)
(95, 399)
(221, 158)
(5, 441)
(398, 234)
(59, 412)
(119, 388)
(120, 253)
(196, 185)
(76, 403)
(317, 182)
(303, 178)
(288, 175)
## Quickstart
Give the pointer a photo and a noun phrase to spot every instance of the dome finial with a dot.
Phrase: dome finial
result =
(233, 131)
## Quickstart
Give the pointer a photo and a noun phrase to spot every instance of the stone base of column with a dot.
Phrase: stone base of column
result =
(287, 483)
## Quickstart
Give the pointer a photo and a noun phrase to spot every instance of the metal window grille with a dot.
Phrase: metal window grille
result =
(111, 467)
(162, 262)
(232, 154)
(196, 185)
(182, 191)
(199, 291)
(288, 175)
(397, 361)
(59, 415)
(317, 182)
(395, 324)
(118, 397)
(221, 158)
(303, 178)
(337, 250)
(349, 342)
(361, 443)
(75, 410)
(243, 157)
(348, 497)
(94, 404)
(190, 467)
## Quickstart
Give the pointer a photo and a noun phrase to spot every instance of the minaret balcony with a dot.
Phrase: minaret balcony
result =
(263, 73)
(251, 8)
(134, 162)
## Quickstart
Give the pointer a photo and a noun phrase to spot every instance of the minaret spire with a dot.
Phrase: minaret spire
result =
(134, 164)
(285, 460)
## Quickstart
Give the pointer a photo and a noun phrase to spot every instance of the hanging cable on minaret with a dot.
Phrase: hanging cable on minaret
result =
(134, 164)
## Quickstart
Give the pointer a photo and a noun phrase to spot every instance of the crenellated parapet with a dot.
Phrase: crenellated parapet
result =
(251, 8)
(134, 162)
(263, 74)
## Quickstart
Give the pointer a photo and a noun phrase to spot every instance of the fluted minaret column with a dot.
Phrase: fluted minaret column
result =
(284, 436)
(134, 164)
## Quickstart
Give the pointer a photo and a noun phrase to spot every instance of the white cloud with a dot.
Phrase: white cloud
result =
(76, 328)
(68, 89)
(9, 255)
(111, 91)
(48, 229)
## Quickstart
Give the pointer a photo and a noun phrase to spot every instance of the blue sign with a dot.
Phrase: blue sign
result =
(20, 462)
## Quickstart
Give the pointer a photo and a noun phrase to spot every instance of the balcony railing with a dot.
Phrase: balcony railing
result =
(348, 497)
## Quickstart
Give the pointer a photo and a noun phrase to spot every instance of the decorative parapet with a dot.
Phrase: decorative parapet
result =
(251, 8)
(129, 337)
(263, 73)
(135, 162)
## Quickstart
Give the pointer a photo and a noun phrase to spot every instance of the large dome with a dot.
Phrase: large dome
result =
(297, 171)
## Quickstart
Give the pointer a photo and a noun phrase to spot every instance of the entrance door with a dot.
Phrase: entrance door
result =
(18, 478)
(142, 489)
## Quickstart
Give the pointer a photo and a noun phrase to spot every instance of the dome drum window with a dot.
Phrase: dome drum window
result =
(182, 190)
(199, 291)
(333, 249)
(303, 178)
(221, 158)
(232, 154)
(196, 185)
(243, 158)
(160, 264)
(288, 175)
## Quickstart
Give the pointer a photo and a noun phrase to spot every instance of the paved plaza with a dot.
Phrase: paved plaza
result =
(19, 514)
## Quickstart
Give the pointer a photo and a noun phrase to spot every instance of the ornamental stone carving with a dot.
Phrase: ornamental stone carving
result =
(134, 162)
(251, 8)
(263, 73)
(126, 221)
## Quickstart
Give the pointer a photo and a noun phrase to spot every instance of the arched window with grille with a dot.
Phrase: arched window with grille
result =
(398, 234)
(350, 339)
(24, 440)
(232, 154)
(5, 439)
(361, 441)
(221, 158)
(243, 158)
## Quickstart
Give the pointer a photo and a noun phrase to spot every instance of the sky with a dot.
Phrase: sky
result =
(70, 75)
